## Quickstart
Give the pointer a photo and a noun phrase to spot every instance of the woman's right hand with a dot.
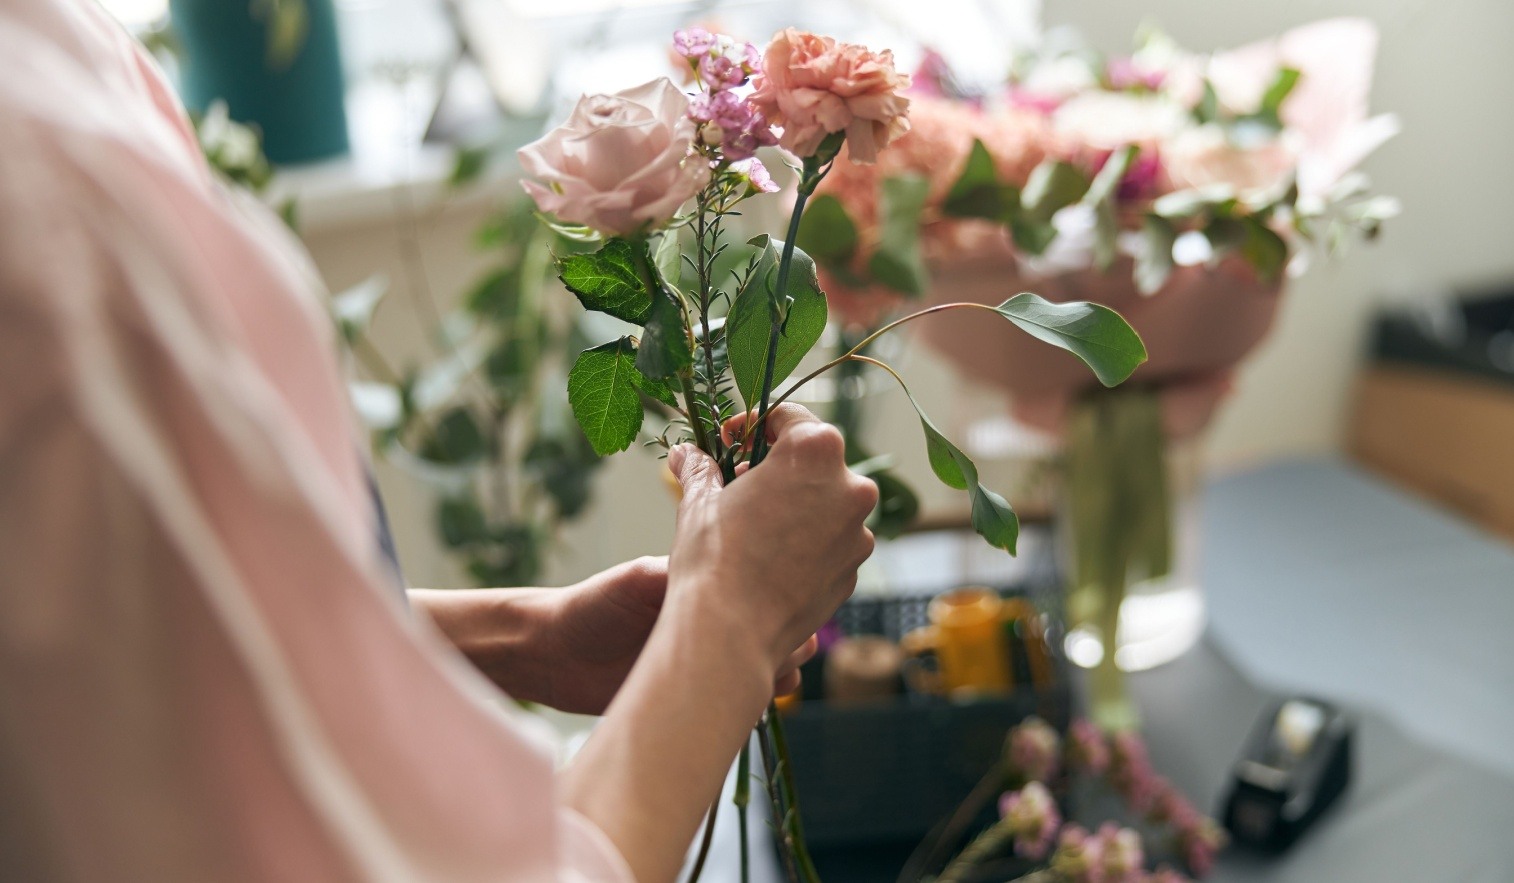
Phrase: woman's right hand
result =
(776, 552)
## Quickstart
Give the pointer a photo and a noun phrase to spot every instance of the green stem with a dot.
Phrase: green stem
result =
(704, 845)
(852, 354)
(770, 776)
(742, 798)
(691, 401)
(793, 826)
(810, 179)
(984, 847)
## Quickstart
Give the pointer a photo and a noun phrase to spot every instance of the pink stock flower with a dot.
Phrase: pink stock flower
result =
(622, 164)
(813, 86)
(730, 122)
(1032, 815)
(1086, 748)
(1121, 858)
(756, 174)
(691, 43)
(1199, 840)
(1165, 874)
(1035, 750)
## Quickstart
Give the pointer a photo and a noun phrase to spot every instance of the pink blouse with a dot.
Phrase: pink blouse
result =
(202, 675)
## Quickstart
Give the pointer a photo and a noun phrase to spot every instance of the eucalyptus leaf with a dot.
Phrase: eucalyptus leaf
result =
(826, 231)
(603, 388)
(992, 516)
(1092, 332)
(750, 322)
(608, 281)
(897, 261)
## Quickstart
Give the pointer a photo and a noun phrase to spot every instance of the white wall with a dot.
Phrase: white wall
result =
(1444, 67)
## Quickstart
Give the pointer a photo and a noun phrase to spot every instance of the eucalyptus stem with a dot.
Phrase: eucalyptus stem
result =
(852, 354)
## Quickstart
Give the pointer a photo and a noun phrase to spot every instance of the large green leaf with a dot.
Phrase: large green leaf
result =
(608, 281)
(604, 392)
(897, 261)
(1094, 333)
(665, 349)
(750, 321)
(826, 232)
(978, 193)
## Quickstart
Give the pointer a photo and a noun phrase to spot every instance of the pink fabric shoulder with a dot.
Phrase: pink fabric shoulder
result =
(201, 676)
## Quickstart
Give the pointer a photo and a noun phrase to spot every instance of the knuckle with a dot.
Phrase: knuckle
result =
(865, 492)
(820, 441)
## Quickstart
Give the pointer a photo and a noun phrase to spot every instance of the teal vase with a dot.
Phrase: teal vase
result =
(290, 86)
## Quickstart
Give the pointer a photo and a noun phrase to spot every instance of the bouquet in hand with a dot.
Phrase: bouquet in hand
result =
(652, 176)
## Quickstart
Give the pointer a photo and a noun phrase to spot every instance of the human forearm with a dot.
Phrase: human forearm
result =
(500, 631)
(658, 759)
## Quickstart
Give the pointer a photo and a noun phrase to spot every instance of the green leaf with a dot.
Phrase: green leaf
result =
(1208, 109)
(607, 281)
(897, 262)
(1092, 332)
(1108, 179)
(1053, 185)
(496, 294)
(898, 506)
(1182, 204)
(456, 439)
(1266, 251)
(602, 391)
(1154, 264)
(992, 516)
(667, 259)
(978, 193)
(461, 522)
(354, 308)
(1031, 236)
(750, 321)
(826, 232)
(467, 165)
(1277, 93)
(664, 350)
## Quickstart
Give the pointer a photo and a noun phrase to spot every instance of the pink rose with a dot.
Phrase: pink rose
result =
(813, 86)
(622, 164)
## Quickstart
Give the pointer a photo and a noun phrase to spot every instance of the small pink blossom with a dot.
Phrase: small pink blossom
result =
(1032, 815)
(1086, 748)
(1035, 749)
(1165, 874)
(1125, 74)
(1130, 771)
(1121, 858)
(756, 174)
(1078, 859)
(1199, 840)
(813, 86)
(731, 123)
(692, 43)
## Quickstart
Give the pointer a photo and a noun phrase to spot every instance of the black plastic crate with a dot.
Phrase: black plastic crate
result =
(887, 772)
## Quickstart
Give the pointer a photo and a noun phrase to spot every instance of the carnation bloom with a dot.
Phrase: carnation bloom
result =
(621, 164)
(814, 86)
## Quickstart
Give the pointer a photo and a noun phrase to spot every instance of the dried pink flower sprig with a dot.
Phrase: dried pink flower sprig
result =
(1036, 754)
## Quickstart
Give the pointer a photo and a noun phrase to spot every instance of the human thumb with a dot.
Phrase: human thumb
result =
(696, 471)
